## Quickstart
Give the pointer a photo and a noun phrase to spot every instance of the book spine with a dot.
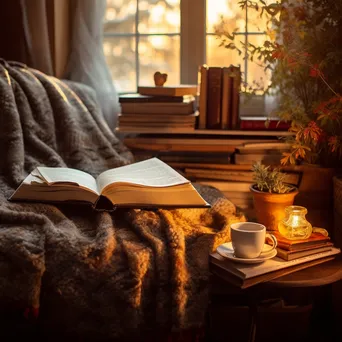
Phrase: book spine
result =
(260, 125)
(153, 99)
(214, 98)
(203, 90)
(226, 99)
(235, 74)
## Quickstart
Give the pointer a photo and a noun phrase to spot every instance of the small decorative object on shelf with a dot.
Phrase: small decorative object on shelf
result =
(295, 226)
(271, 195)
(159, 79)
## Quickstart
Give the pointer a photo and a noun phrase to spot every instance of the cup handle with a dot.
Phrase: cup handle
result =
(274, 246)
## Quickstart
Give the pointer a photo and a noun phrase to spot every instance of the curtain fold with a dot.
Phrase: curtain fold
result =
(37, 35)
(62, 38)
(87, 62)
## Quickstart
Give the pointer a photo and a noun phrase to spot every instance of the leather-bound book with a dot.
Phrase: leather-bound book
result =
(214, 98)
(203, 91)
(226, 109)
(235, 74)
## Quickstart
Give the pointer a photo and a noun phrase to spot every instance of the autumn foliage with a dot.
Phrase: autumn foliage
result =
(303, 50)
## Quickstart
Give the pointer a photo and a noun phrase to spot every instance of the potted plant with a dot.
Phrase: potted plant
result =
(271, 195)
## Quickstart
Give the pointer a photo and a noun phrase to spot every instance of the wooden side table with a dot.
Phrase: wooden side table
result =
(308, 313)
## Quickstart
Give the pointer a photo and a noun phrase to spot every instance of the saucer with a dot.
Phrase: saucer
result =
(226, 250)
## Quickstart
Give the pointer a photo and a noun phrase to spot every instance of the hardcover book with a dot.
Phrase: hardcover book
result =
(291, 255)
(138, 98)
(203, 95)
(150, 183)
(226, 109)
(246, 275)
(260, 123)
(177, 90)
(186, 107)
(235, 74)
(214, 98)
(316, 239)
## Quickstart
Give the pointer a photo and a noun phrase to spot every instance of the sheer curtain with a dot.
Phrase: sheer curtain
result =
(87, 62)
(62, 38)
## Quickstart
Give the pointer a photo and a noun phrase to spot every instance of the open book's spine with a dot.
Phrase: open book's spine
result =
(104, 204)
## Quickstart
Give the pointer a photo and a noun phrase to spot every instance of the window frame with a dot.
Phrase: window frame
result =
(193, 38)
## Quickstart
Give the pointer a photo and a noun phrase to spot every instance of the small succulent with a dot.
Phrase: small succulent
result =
(272, 181)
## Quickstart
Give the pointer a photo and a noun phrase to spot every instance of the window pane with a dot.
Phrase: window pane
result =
(256, 23)
(120, 56)
(120, 16)
(159, 53)
(220, 56)
(230, 10)
(161, 16)
(256, 74)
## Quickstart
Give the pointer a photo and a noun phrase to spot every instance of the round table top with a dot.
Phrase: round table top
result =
(322, 274)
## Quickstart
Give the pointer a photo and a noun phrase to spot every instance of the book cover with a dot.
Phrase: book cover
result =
(187, 107)
(203, 96)
(235, 74)
(165, 118)
(214, 98)
(291, 245)
(291, 255)
(263, 123)
(177, 90)
(138, 98)
(226, 109)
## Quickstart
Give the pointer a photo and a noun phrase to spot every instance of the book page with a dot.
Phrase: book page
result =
(152, 172)
(66, 175)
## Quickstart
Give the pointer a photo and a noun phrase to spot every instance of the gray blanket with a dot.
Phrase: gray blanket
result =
(85, 273)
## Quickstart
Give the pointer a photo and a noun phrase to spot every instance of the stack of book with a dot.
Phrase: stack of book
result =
(295, 249)
(219, 97)
(204, 153)
(266, 153)
(246, 275)
(161, 108)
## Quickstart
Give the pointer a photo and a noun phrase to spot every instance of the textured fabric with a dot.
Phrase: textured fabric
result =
(91, 274)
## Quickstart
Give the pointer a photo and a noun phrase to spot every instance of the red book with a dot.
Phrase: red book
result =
(263, 124)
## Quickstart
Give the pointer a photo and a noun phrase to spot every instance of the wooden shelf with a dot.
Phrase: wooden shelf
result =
(206, 132)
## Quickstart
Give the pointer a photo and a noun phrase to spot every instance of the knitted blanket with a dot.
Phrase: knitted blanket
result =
(93, 274)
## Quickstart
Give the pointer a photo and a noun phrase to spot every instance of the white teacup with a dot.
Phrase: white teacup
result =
(248, 239)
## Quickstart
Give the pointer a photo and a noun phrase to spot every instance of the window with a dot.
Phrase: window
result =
(173, 36)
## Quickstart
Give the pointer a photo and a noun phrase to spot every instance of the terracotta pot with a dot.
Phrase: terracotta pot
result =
(270, 208)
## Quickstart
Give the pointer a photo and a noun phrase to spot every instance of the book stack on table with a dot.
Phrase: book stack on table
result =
(292, 256)
(295, 249)
(159, 108)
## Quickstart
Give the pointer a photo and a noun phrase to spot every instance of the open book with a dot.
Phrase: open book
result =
(150, 183)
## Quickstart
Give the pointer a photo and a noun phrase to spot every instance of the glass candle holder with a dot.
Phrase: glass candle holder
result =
(295, 226)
